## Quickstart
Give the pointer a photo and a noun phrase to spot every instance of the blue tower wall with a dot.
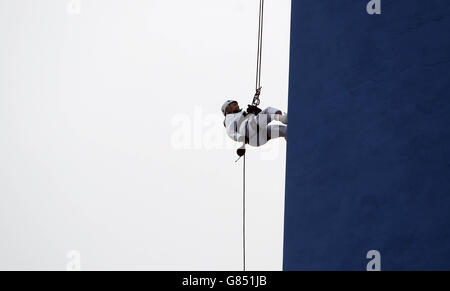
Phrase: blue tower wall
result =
(368, 159)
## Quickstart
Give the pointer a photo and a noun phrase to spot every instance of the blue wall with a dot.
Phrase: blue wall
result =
(368, 165)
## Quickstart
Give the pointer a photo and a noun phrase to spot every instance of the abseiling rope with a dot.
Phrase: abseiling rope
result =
(256, 102)
(259, 54)
(260, 41)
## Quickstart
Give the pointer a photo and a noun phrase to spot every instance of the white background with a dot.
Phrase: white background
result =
(111, 136)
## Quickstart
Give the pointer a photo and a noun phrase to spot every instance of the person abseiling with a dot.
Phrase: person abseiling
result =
(253, 128)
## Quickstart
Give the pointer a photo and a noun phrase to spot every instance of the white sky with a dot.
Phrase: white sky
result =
(111, 136)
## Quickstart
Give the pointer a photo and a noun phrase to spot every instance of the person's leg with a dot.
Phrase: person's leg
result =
(267, 133)
(267, 115)
(271, 110)
(262, 132)
(274, 114)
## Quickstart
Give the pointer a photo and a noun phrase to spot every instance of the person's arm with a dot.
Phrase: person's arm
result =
(233, 133)
(233, 130)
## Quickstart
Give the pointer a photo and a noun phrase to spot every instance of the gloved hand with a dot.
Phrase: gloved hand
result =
(253, 110)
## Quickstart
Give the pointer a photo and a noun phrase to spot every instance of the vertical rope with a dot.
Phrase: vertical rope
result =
(256, 100)
(260, 42)
(243, 216)
(255, 103)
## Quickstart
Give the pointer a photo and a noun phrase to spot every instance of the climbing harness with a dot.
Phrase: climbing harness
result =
(253, 108)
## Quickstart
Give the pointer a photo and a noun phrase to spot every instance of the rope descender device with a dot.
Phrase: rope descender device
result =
(240, 152)
(253, 108)
(256, 100)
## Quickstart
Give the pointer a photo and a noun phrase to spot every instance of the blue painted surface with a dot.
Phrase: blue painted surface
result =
(368, 165)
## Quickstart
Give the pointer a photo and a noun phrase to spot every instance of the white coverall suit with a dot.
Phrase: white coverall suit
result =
(254, 130)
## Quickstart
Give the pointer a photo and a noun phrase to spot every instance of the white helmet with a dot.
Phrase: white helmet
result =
(225, 105)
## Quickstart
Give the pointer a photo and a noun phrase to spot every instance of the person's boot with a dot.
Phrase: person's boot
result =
(284, 118)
